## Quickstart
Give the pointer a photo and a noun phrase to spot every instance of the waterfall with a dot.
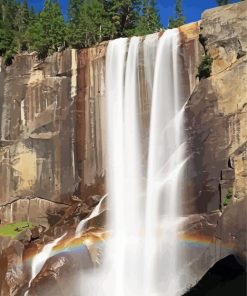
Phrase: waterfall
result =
(142, 254)
(124, 163)
(165, 161)
(94, 213)
(144, 172)
(40, 259)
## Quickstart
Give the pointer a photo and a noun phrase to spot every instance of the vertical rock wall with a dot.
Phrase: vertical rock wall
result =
(53, 121)
(90, 121)
(37, 124)
(217, 114)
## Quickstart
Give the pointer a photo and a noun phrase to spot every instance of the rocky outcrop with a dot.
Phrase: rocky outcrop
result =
(59, 274)
(216, 120)
(90, 121)
(51, 116)
(226, 277)
(12, 274)
(217, 114)
(36, 133)
(52, 147)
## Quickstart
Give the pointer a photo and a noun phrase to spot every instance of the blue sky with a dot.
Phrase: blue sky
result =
(192, 8)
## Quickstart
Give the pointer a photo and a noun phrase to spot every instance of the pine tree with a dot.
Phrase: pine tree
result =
(93, 25)
(222, 2)
(124, 15)
(47, 33)
(73, 10)
(21, 22)
(8, 46)
(149, 21)
(179, 17)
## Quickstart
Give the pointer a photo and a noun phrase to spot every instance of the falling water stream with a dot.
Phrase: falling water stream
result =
(144, 174)
(40, 259)
(144, 202)
(94, 213)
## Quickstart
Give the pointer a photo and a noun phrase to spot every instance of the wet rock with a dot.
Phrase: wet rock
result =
(232, 228)
(227, 174)
(37, 232)
(59, 274)
(226, 277)
(25, 236)
(216, 115)
(12, 275)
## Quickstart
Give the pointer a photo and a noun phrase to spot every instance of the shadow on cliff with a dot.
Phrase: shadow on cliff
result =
(226, 277)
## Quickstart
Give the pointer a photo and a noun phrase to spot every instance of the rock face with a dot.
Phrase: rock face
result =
(36, 132)
(216, 120)
(217, 113)
(90, 121)
(51, 133)
(59, 274)
(52, 129)
(226, 277)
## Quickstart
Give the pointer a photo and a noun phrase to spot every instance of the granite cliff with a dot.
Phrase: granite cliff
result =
(52, 155)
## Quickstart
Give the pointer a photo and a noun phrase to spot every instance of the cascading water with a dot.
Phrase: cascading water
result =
(144, 180)
(94, 213)
(166, 159)
(125, 182)
(40, 259)
(142, 254)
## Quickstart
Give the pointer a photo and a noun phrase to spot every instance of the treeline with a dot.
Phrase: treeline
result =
(224, 2)
(89, 22)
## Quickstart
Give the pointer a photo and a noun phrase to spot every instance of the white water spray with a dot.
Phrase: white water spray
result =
(40, 259)
(166, 159)
(95, 213)
(141, 259)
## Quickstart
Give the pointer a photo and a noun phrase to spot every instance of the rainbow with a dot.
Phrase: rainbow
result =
(72, 244)
(69, 244)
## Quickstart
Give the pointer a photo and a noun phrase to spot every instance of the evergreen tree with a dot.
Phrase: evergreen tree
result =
(73, 10)
(222, 2)
(149, 21)
(21, 21)
(179, 17)
(124, 15)
(89, 22)
(92, 27)
(8, 46)
(47, 33)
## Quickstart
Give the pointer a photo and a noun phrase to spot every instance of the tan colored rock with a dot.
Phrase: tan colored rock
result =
(37, 124)
(224, 34)
(90, 121)
(35, 210)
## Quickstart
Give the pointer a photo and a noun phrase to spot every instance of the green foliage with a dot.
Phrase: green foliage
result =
(93, 21)
(47, 33)
(149, 20)
(224, 2)
(228, 197)
(89, 22)
(124, 16)
(7, 44)
(92, 25)
(15, 18)
(179, 19)
(14, 229)
(73, 10)
(204, 69)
